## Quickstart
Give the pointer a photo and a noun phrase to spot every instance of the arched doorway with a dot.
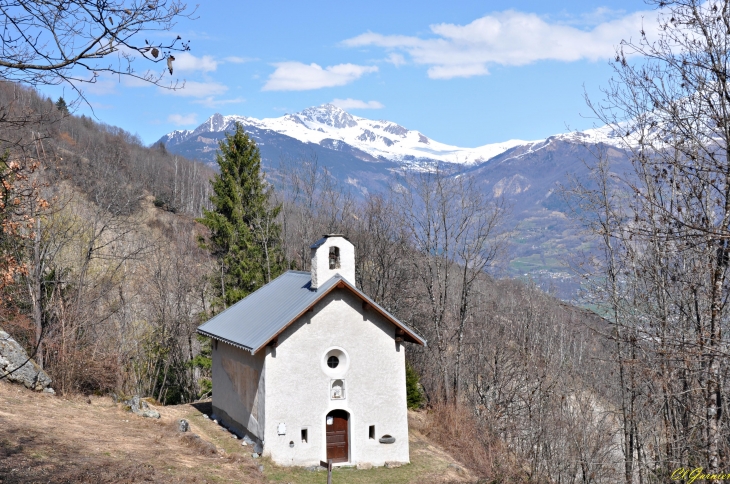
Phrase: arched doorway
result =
(338, 436)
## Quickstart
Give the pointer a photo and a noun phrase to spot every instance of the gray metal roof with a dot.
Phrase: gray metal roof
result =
(255, 320)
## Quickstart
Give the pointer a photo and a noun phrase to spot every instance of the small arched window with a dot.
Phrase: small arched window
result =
(334, 257)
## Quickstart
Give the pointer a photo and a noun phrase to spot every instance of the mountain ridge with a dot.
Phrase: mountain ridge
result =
(527, 174)
(328, 126)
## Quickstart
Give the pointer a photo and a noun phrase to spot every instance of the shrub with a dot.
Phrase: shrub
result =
(414, 391)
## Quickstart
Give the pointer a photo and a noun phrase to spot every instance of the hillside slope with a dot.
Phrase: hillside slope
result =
(91, 439)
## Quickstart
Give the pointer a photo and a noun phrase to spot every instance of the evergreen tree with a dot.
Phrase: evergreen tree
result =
(244, 237)
(61, 105)
(414, 391)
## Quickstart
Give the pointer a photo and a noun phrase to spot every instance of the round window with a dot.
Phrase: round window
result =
(335, 362)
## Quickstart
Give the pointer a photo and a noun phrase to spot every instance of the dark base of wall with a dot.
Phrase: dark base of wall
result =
(232, 425)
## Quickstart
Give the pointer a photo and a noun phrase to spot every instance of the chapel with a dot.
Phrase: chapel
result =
(311, 368)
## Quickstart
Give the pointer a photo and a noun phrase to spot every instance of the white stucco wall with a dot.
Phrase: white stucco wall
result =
(321, 271)
(298, 384)
(238, 389)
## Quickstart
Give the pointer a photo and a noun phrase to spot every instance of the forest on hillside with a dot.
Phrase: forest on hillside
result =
(115, 283)
(112, 253)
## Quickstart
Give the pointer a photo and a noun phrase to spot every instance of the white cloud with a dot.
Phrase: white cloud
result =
(396, 59)
(449, 71)
(296, 76)
(507, 38)
(211, 102)
(198, 89)
(187, 62)
(350, 103)
(233, 59)
(182, 119)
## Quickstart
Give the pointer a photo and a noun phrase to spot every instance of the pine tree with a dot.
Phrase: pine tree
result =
(61, 105)
(244, 237)
(414, 390)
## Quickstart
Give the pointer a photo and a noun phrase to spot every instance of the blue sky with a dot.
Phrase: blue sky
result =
(462, 72)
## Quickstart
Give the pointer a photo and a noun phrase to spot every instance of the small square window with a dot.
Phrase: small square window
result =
(371, 433)
(305, 437)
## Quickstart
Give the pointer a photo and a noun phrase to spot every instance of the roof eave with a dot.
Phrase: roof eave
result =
(230, 342)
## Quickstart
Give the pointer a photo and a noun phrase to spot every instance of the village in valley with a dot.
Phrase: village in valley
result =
(408, 243)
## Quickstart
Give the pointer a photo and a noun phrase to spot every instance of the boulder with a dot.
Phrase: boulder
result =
(183, 425)
(139, 407)
(27, 372)
(133, 404)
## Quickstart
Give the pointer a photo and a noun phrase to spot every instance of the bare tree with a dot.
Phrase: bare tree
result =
(72, 41)
(665, 229)
(456, 233)
(313, 204)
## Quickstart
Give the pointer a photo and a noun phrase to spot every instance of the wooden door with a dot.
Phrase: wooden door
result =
(337, 436)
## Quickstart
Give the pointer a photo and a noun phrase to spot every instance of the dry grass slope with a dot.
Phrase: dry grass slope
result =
(90, 439)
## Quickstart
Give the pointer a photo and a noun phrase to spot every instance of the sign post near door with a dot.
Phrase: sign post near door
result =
(328, 466)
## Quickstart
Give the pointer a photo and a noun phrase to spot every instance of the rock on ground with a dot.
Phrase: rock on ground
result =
(139, 407)
(14, 357)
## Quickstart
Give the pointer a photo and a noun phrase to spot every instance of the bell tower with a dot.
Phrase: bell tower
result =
(332, 254)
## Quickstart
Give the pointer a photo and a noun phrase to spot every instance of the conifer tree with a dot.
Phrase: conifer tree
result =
(61, 105)
(244, 237)
(414, 390)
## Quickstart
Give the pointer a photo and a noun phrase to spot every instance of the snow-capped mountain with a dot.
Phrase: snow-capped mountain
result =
(366, 155)
(331, 127)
